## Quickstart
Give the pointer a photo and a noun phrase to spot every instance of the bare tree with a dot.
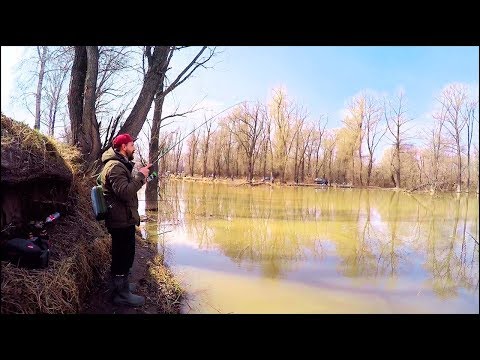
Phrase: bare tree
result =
(177, 152)
(158, 59)
(469, 118)
(373, 133)
(453, 98)
(82, 79)
(320, 131)
(85, 129)
(396, 121)
(307, 134)
(299, 152)
(53, 92)
(329, 149)
(283, 114)
(154, 149)
(266, 147)
(437, 144)
(216, 154)
(39, 76)
(163, 90)
(192, 151)
(42, 59)
(205, 145)
(228, 145)
(247, 126)
(356, 123)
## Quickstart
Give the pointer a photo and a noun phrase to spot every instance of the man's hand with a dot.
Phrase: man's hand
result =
(145, 170)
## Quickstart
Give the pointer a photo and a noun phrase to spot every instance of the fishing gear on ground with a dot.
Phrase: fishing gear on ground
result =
(32, 252)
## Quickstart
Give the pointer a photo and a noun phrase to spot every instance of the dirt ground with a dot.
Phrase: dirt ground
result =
(99, 301)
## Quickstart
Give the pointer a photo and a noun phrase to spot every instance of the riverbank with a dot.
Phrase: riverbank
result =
(243, 182)
(152, 279)
(41, 176)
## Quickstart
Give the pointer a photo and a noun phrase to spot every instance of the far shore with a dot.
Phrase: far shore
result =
(259, 182)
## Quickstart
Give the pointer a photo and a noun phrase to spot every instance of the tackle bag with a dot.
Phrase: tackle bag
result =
(98, 201)
(31, 253)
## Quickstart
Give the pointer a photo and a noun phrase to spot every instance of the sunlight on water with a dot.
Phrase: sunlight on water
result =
(306, 250)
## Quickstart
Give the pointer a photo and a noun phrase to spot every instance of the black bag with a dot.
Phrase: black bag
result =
(33, 254)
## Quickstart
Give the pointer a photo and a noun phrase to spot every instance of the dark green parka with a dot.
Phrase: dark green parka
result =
(120, 190)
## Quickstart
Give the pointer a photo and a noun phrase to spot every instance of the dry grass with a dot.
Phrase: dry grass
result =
(26, 153)
(167, 291)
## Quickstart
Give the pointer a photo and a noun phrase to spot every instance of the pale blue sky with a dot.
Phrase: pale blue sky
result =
(324, 78)
(321, 78)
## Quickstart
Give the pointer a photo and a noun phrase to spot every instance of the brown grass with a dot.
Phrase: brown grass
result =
(167, 291)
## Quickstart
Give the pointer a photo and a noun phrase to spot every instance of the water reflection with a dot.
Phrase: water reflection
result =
(413, 243)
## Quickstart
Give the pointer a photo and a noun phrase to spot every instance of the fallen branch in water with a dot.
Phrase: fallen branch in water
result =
(241, 252)
(473, 238)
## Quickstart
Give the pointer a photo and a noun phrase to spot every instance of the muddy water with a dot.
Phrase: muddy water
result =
(305, 250)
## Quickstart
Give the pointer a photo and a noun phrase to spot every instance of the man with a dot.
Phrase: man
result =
(120, 191)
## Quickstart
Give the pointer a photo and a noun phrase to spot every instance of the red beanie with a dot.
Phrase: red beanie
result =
(122, 139)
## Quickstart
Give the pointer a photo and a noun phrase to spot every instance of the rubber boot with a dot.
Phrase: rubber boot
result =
(131, 286)
(122, 294)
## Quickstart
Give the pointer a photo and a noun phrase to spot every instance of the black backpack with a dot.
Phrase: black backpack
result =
(31, 253)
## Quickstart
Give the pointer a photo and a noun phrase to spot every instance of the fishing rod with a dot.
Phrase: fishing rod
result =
(163, 153)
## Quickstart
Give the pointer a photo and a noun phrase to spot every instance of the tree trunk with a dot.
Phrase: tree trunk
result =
(193, 164)
(250, 168)
(228, 153)
(295, 167)
(369, 170)
(41, 74)
(178, 156)
(360, 159)
(353, 167)
(397, 168)
(151, 194)
(89, 136)
(51, 121)
(75, 95)
(193, 150)
(459, 165)
(155, 74)
(468, 168)
(236, 162)
(302, 166)
(265, 152)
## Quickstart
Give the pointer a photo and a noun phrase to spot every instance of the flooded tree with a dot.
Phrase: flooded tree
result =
(374, 131)
(396, 119)
(454, 98)
(247, 125)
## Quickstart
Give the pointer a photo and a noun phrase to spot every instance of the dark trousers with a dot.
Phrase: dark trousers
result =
(123, 249)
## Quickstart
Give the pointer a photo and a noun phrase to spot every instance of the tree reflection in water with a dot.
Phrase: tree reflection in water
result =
(370, 233)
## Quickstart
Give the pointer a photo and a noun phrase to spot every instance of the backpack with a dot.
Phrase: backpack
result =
(98, 201)
(30, 253)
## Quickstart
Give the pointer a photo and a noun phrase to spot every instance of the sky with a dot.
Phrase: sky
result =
(321, 78)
